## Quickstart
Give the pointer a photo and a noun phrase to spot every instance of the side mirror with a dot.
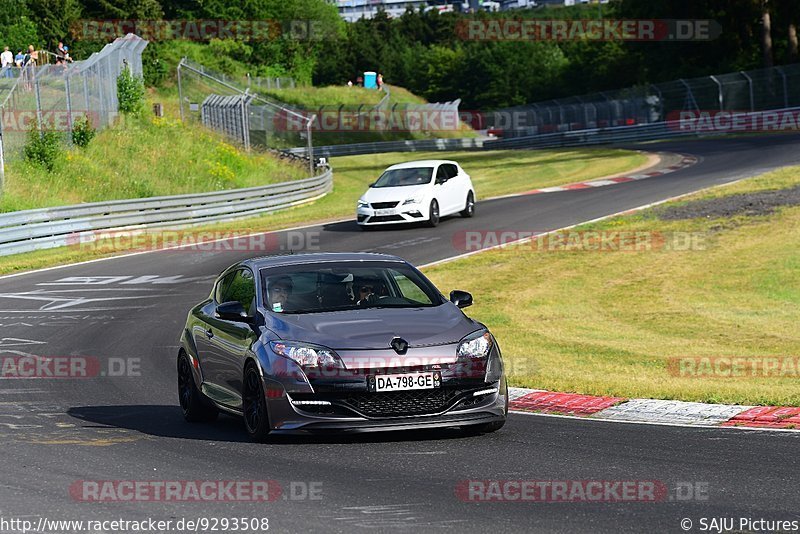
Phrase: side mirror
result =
(233, 311)
(462, 299)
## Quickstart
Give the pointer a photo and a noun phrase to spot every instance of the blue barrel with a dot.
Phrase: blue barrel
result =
(370, 80)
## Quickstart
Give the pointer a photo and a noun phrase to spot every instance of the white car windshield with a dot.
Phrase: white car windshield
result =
(406, 176)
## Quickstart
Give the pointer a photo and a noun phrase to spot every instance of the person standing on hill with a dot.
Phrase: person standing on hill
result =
(380, 81)
(6, 62)
(33, 55)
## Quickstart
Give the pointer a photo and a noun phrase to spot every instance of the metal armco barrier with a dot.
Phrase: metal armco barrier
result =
(587, 137)
(468, 143)
(26, 231)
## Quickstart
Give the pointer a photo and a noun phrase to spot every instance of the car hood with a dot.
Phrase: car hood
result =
(374, 328)
(393, 194)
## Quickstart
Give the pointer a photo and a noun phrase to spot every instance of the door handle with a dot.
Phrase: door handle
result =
(209, 333)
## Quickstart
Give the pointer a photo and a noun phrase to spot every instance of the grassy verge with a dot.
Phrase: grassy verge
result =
(142, 158)
(608, 323)
(331, 97)
(526, 170)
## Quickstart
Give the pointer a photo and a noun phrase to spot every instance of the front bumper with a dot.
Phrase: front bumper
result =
(410, 213)
(364, 411)
(471, 392)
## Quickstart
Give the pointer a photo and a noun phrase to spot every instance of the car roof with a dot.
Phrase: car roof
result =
(283, 260)
(420, 163)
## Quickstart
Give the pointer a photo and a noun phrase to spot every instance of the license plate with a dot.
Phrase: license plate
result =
(381, 213)
(404, 382)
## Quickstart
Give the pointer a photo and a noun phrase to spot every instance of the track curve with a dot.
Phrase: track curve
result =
(56, 432)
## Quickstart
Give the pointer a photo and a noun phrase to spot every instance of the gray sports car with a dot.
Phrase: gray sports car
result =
(338, 342)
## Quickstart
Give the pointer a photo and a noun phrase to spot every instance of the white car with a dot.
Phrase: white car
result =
(417, 191)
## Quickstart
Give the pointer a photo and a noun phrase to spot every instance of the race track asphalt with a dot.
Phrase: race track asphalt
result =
(130, 310)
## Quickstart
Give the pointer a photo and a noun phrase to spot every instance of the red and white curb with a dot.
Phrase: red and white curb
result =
(685, 161)
(655, 411)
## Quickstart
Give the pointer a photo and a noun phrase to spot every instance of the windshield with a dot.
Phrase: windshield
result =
(407, 176)
(346, 286)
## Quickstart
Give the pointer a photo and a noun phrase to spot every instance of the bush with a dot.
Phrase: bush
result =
(82, 132)
(130, 92)
(43, 148)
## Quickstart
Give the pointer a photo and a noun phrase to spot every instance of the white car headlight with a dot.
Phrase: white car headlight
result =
(362, 203)
(306, 355)
(475, 345)
(413, 200)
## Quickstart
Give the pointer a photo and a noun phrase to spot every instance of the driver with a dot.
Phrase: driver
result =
(280, 288)
(369, 291)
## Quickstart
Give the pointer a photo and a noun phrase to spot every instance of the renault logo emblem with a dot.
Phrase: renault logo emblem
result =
(399, 345)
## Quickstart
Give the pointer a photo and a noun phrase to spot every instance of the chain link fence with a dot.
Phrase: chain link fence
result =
(55, 96)
(745, 91)
(247, 118)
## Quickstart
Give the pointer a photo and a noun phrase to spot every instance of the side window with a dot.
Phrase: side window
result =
(242, 288)
(441, 174)
(222, 285)
(408, 289)
(452, 170)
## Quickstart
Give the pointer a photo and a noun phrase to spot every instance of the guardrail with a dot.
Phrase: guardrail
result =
(587, 137)
(29, 230)
(378, 147)
(594, 136)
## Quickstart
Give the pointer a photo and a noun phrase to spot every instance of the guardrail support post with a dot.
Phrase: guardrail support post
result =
(180, 90)
(785, 87)
(38, 100)
(750, 84)
(2, 159)
(719, 92)
(689, 94)
(310, 145)
(69, 106)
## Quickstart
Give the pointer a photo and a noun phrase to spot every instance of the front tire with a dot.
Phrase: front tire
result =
(433, 217)
(194, 405)
(254, 405)
(469, 208)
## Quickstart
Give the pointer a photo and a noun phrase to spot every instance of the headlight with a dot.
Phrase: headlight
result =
(362, 204)
(476, 345)
(413, 200)
(306, 355)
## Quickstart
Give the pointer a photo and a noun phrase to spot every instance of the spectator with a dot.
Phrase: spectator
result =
(380, 81)
(19, 59)
(360, 81)
(349, 83)
(33, 55)
(6, 62)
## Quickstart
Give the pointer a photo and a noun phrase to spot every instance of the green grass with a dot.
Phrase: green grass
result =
(352, 175)
(355, 98)
(142, 158)
(334, 95)
(607, 323)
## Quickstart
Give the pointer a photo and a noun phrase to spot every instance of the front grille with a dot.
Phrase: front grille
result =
(383, 205)
(398, 403)
(386, 218)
